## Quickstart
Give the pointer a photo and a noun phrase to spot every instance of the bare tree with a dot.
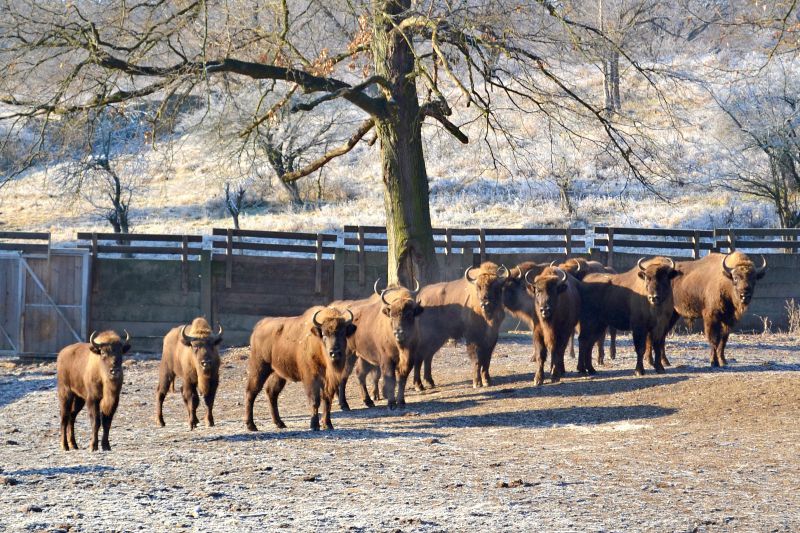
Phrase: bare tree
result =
(234, 201)
(399, 62)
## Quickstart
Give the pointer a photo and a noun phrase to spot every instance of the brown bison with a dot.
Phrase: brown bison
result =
(90, 373)
(311, 348)
(194, 356)
(386, 338)
(639, 300)
(470, 308)
(557, 304)
(717, 288)
(580, 268)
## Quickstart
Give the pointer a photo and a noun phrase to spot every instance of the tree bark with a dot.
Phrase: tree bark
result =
(406, 194)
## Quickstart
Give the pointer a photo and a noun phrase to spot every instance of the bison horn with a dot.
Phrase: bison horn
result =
(639, 263)
(724, 264)
(562, 275)
(416, 287)
(219, 333)
(763, 264)
(91, 339)
(504, 271)
(314, 319)
(349, 312)
(527, 273)
(466, 275)
(375, 287)
(127, 336)
(577, 265)
(187, 338)
(552, 263)
(384, 292)
(671, 263)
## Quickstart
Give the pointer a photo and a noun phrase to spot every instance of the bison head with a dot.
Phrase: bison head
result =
(333, 327)
(204, 345)
(401, 307)
(545, 289)
(657, 277)
(515, 295)
(743, 274)
(110, 348)
(488, 284)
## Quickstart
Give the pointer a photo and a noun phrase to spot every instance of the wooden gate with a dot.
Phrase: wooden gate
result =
(45, 301)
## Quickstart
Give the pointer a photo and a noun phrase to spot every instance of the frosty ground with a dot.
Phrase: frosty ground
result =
(693, 450)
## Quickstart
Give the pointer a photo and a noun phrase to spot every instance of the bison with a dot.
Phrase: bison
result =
(580, 268)
(717, 288)
(386, 338)
(90, 373)
(557, 304)
(639, 300)
(194, 356)
(470, 308)
(311, 348)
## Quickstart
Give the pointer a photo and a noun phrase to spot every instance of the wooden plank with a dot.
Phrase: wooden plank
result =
(141, 237)
(144, 250)
(759, 232)
(653, 232)
(557, 244)
(535, 231)
(366, 229)
(745, 245)
(24, 247)
(676, 245)
(288, 235)
(206, 286)
(228, 259)
(273, 247)
(30, 235)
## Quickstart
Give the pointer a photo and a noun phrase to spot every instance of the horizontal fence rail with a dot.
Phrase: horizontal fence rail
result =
(745, 239)
(26, 242)
(102, 244)
(632, 239)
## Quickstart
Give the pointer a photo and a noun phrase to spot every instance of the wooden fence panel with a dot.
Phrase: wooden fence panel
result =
(11, 288)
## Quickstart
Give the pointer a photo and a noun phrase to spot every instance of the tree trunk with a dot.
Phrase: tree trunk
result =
(294, 192)
(406, 193)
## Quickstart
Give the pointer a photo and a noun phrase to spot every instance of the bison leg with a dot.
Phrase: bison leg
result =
(658, 348)
(313, 390)
(65, 401)
(388, 367)
(192, 400)
(427, 376)
(326, 411)
(418, 386)
(257, 373)
(612, 343)
(362, 372)
(106, 420)
(723, 342)
(472, 351)
(572, 345)
(275, 385)
(208, 399)
(349, 363)
(166, 381)
(541, 356)
(375, 374)
(77, 405)
(712, 330)
(93, 406)
(586, 340)
(640, 345)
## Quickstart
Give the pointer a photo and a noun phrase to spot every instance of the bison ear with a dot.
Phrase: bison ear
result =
(126, 347)
(727, 274)
(418, 310)
(351, 328)
(675, 273)
(217, 341)
(760, 273)
(386, 311)
(642, 274)
(316, 331)
(94, 349)
(185, 342)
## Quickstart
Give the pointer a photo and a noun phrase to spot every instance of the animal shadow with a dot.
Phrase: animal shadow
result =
(62, 470)
(342, 434)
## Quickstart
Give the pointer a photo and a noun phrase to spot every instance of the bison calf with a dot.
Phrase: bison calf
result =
(311, 348)
(90, 373)
(194, 356)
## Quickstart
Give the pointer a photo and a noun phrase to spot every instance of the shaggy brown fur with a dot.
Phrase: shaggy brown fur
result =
(706, 290)
(90, 373)
(557, 304)
(192, 353)
(639, 300)
(386, 338)
(297, 349)
(471, 309)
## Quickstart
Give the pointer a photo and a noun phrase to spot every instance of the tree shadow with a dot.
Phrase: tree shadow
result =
(548, 418)
(734, 368)
(272, 434)
(13, 389)
(57, 470)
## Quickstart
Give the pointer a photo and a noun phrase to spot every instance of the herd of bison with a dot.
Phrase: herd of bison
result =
(397, 330)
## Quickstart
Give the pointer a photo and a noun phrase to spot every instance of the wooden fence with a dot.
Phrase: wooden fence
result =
(148, 283)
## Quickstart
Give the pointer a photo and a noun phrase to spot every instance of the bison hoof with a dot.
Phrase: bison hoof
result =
(723, 362)
(660, 370)
(251, 427)
(210, 423)
(315, 423)
(591, 371)
(93, 447)
(555, 379)
(344, 406)
(430, 383)
(160, 422)
(665, 362)
(419, 387)
(369, 403)
(537, 380)
(280, 425)
(106, 447)
(328, 426)
(639, 372)
(64, 447)
(714, 363)
(392, 405)
(401, 404)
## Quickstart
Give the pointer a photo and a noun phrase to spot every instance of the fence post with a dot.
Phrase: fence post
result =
(229, 259)
(94, 263)
(482, 243)
(696, 243)
(731, 240)
(318, 273)
(568, 242)
(185, 263)
(448, 245)
(362, 258)
(338, 273)
(610, 260)
(206, 305)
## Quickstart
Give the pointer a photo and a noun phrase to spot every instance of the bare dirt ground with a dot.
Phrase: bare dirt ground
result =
(693, 450)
